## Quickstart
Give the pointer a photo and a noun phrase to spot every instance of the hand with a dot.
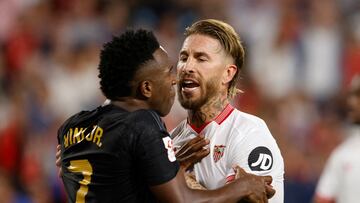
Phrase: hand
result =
(258, 187)
(270, 192)
(58, 159)
(192, 183)
(193, 151)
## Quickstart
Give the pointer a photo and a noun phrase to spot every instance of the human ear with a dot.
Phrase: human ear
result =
(229, 73)
(145, 88)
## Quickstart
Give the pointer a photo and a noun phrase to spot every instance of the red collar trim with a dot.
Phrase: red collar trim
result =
(219, 118)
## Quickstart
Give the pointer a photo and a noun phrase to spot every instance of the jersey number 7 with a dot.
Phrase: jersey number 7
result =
(84, 167)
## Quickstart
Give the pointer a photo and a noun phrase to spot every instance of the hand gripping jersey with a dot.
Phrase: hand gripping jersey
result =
(340, 179)
(235, 138)
(111, 155)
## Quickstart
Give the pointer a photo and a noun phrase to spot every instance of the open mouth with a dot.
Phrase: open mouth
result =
(189, 85)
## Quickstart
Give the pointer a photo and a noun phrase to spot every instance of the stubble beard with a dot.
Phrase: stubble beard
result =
(211, 91)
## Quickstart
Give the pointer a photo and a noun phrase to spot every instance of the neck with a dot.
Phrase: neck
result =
(130, 104)
(208, 111)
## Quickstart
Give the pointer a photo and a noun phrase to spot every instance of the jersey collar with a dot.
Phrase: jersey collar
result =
(218, 119)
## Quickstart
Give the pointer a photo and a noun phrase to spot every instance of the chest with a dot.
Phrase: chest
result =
(213, 169)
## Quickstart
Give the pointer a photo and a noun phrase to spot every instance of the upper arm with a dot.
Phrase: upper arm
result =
(259, 154)
(174, 190)
(155, 155)
(152, 150)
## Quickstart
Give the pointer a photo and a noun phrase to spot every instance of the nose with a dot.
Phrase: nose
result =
(187, 66)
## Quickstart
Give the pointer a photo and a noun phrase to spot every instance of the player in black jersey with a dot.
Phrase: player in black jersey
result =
(121, 152)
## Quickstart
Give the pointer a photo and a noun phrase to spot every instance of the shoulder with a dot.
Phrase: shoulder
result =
(76, 119)
(145, 119)
(344, 150)
(257, 144)
(248, 124)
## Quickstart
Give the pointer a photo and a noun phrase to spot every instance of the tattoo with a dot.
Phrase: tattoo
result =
(209, 110)
(197, 118)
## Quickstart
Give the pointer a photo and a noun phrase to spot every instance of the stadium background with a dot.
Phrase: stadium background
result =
(301, 55)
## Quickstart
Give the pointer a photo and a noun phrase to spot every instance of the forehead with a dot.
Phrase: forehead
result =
(161, 57)
(202, 43)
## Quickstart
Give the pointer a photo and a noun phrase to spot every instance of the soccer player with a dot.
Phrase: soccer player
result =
(121, 152)
(208, 70)
(339, 182)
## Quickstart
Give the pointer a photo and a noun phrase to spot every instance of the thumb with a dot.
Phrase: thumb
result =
(239, 172)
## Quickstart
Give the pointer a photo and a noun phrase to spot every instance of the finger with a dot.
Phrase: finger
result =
(185, 146)
(192, 146)
(270, 191)
(239, 172)
(58, 159)
(201, 154)
(183, 150)
(267, 179)
(196, 139)
(195, 156)
(200, 145)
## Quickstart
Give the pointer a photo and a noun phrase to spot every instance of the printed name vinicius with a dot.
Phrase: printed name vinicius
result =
(76, 135)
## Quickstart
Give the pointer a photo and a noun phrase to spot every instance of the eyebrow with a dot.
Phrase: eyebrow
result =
(183, 52)
(196, 54)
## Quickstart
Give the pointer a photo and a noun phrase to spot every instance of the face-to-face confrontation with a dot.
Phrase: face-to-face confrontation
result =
(164, 80)
(160, 73)
(202, 71)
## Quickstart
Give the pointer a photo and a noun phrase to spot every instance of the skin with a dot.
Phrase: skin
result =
(158, 94)
(203, 61)
(192, 152)
(145, 96)
(176, 190)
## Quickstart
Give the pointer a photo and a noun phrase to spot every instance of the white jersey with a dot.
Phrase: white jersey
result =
(340, 179)
(235, 138)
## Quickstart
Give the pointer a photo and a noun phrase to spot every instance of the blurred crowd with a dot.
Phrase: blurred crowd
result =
(300, 58)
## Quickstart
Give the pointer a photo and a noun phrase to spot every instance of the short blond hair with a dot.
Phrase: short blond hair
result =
(228, 39)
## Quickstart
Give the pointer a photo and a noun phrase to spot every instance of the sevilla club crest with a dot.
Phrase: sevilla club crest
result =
(218, 152)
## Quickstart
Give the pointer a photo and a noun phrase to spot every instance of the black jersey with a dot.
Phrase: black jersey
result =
(111, 155)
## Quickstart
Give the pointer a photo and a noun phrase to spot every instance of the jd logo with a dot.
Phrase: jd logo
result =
(260, 159)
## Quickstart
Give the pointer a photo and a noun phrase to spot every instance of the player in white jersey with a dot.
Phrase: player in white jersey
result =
(207, 76)
(235, 138)
(339, 182)
(208, 70)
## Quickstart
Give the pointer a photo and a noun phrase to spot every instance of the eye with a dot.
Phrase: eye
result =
(202, 59)
(183, 58)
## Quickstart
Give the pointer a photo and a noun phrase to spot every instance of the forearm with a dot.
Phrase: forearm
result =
(176, 191)
(229, 193)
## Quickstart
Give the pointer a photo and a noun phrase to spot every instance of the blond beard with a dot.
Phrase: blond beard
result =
(211, 91)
